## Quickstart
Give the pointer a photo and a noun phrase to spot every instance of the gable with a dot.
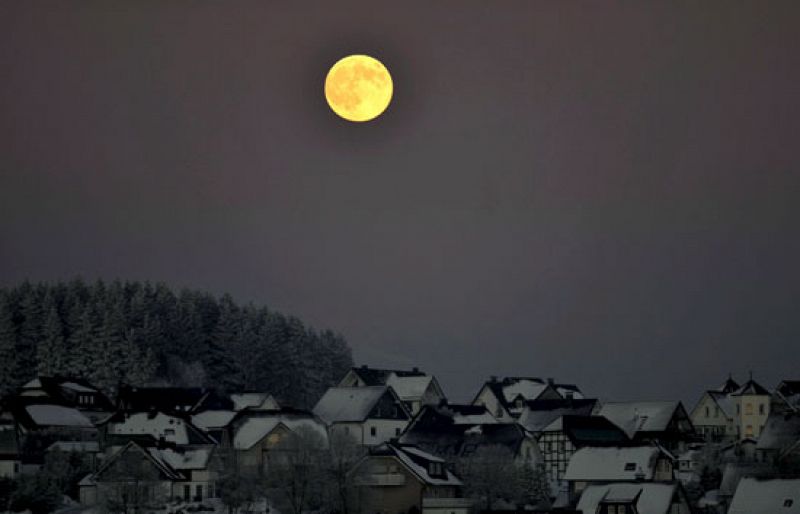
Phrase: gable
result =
(388, 406)
(132, 464)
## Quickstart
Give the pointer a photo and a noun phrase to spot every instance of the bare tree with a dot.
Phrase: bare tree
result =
(296, 471)
(344, 453)
(491, 476)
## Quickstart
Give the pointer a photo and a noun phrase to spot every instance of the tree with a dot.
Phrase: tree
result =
(344, 453)
(8, 343)
(490, 476)
(51, 351)
(295, 470)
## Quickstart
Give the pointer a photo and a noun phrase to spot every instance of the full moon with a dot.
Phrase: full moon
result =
(358, 88)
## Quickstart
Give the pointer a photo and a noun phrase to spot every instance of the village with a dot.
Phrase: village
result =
(389, 441)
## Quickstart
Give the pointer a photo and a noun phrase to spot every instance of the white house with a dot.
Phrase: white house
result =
(371, 414)
(414, 387)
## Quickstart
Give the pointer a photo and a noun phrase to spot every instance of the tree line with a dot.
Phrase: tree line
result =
(140, 333)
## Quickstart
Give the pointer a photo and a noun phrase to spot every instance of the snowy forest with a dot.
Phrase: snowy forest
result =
(140, 333)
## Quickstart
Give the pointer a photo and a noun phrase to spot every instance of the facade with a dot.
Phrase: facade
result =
(559, 441)
(752, 409)
(732, 412)
(396, 478)
(634, 498)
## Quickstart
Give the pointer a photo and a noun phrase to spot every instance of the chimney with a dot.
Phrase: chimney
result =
(363, 366)
(415, 369)
(493, 379)
(551, 381)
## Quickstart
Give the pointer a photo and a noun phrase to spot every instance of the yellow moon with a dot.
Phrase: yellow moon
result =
(358, 88)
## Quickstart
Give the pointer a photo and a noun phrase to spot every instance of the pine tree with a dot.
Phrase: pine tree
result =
(52, 350)
(8, 345)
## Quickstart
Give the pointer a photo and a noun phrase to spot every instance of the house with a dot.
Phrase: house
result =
(638, 498)
(396, 478)
(258, 435)
(171, 400)
(506, 398)
(415, 388)
(138, 475)
(780, 438)
(69, 392)
(149, 427)
(538, 414)
(370, 414)
(452, 431)
(217, 423)
(606, 465)
(714, 416)
(732, 412)
(565, 435)
(752, 408)
(766, 496)
(665, 422)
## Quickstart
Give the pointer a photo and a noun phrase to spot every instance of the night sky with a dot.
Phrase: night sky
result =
(601, 192)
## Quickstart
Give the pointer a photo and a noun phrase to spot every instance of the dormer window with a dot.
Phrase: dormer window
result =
(169, 431)
(435, 469)
(788, 502)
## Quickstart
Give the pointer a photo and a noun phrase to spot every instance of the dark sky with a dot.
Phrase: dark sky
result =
(601, 192)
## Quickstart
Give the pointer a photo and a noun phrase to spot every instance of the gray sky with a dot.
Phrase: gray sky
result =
(603, 192)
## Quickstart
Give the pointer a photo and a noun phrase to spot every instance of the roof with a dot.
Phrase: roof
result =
(376, 376)
(254, 401)
(214, 419)
(725, 402)
(635, 417)
(781, 431)
(417, 462)
(761, 496)
(613, 464)
(727, 387)
(181, 459)
(649, 498)
(349, 404)
(588, 430)
(255, 427)
(751, 387)
(537, 414)
(510, 389)
(75, 446)
(57, 416)
(409, 387)
(174, 400)
(158, 425)
(159, 461)
(66, 391)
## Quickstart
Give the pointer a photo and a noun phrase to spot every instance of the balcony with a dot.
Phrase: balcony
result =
(382, 479)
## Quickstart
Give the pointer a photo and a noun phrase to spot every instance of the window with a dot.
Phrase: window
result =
(16, 467)
(198, 494)
(748, 408)
(708, 411)
(716, 412)
(347, 430)
(748, 431)
(630, 466)
(788, 502)
(397, 431)
(187, 492)
(761, 409)
(169, 431)
(373, 431)
(738, 409)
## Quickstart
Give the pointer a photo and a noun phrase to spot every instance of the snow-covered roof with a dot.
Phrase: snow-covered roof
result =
(612, 464)
(649, 498)
(33, 384)
(159, 425)
(409, 387)
(78, 387)
(781, 431)
(635, 417)
(538, 414)
(527, 388)
(255, 428)
(196, 458)
(75, 446)
(342, 404)
(57, 416)
(417, 462)
(213, 419)
(757, 496)
(725, 402)
(254, 401)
